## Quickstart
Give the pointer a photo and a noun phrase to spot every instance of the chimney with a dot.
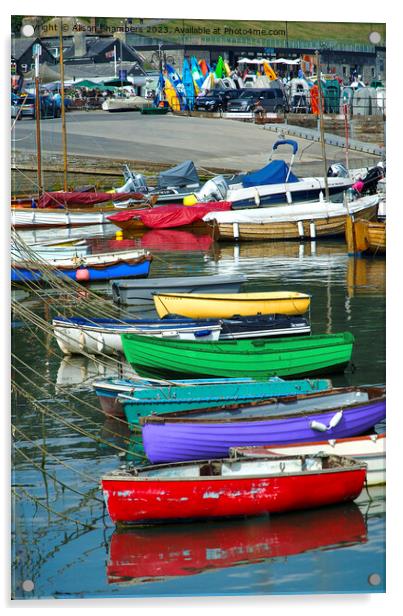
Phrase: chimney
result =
(80, 48)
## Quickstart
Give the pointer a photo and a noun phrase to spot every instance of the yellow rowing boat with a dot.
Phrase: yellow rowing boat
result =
(227, 305)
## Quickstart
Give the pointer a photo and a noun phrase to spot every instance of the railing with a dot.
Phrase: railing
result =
(247, 41)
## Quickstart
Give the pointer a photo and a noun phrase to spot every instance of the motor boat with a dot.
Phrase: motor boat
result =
(273, 184)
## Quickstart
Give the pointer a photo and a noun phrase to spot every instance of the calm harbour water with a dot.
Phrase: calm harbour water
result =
(60, 454)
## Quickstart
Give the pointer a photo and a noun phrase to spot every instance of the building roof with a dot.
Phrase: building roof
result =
(97, 46)
(20, 45)
(102, 70)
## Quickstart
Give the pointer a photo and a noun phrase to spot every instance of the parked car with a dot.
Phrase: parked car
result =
(215, 100)
(49, 108)
(14, 106)
(271, 99)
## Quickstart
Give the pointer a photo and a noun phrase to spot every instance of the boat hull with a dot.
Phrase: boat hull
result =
(326, 227)
(196, 395)
(174, 399)
(138, 269)
(370, 236)
(175, 440)
(106, 338)
(142, 501)
(198, 306)
(284, 357)
(128, 293)
(368, 449)
(32, 218)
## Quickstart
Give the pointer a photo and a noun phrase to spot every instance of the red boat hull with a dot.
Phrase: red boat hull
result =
(140, 501)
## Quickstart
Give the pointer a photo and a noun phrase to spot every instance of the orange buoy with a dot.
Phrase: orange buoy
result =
(82, 274)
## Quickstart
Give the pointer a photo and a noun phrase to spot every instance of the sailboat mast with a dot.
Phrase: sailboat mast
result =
(37, 52)
(63, 110)
(321, 125)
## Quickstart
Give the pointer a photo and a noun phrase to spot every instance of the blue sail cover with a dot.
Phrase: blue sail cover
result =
(274, 173)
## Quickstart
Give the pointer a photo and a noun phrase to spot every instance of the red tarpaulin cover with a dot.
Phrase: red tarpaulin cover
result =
(61, 199)
(175, 215)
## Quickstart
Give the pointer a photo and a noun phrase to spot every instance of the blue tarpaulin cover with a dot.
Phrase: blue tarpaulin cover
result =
(274, 173)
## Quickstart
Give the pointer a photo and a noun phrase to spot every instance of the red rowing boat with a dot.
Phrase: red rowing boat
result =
(230, 487)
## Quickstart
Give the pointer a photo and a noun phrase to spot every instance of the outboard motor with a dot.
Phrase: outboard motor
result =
(371, 180)
(213, 190)
(134, 182)
(337, 170)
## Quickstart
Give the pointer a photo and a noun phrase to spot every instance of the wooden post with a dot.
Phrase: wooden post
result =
(63, 110)
(350, 235)
(321, 126)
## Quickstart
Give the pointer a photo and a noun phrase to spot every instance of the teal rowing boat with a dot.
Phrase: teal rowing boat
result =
(213, 393)
(259, 358)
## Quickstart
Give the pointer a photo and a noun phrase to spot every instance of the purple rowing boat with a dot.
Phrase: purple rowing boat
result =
(190, 435)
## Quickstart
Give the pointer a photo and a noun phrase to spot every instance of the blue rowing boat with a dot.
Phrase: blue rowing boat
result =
(89, 268)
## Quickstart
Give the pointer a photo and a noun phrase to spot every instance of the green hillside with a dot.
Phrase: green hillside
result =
(192, 29)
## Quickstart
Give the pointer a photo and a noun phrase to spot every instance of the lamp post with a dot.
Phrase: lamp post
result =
(63, 110)
(321, 126)
(326, 49)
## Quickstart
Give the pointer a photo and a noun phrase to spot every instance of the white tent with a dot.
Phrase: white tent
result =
(262, 60)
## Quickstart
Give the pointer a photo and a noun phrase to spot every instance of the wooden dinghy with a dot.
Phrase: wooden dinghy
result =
(81, 335)
(226, 305)
(299, 221)
(138, 292)
(71, 214)
(165, 552)
(198, 395)
(102, 266)
(230, 488)
(141, 397)
(168, 216)
(28, 218)
(364, 235)
(195, 435)
(98, 335)
(261, 358)
(370, 449)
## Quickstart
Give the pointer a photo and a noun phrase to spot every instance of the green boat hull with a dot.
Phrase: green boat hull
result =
(283, 357)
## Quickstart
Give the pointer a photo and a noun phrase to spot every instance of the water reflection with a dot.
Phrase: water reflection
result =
(366, 276)
(78, 372)
(150, 554)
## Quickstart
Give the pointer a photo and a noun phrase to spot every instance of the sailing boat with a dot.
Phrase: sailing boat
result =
(65, 208)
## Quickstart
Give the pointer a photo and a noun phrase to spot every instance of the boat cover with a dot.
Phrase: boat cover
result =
(183, 174)
(274, 173)
(62, 199)
(174, 215)
(313, 210)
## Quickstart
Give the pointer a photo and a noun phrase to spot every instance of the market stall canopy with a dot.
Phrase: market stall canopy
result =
(118, 82)
(91, 85)
(285, 61)
(263, 60)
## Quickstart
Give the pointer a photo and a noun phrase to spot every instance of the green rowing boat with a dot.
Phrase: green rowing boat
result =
(259, 358)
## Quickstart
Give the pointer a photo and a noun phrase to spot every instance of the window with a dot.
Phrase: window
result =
(269, 94)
